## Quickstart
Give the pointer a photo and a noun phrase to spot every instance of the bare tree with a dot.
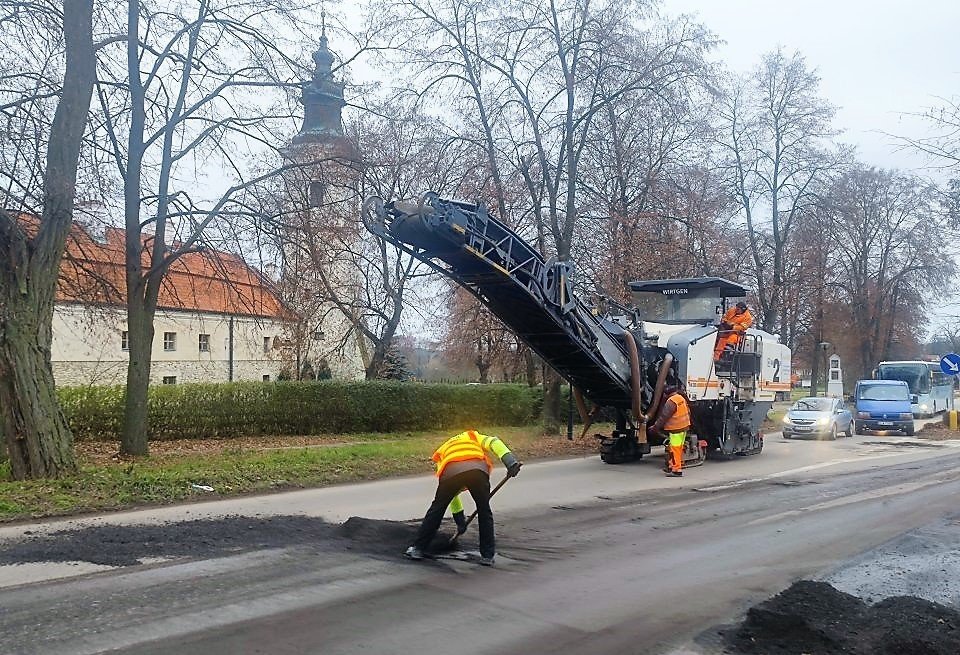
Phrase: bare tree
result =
(943, 145)
(333, 269)
(886, 262)
(775, 130)
(202, 84)
(38, 440)
(476, 337)
(537, 76)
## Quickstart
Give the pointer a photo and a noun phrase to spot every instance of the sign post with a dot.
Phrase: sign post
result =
(950, 364)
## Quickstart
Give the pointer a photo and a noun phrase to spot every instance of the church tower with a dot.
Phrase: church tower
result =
(322, 205)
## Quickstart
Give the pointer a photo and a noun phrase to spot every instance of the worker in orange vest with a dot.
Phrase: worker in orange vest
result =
(672, 423)
(732, 326)
(463, 464)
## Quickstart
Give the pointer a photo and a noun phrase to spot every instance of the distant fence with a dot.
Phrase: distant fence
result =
(306, 408)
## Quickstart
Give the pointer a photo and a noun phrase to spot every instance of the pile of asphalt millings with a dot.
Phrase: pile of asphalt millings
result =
(127, 545)
(816, 619)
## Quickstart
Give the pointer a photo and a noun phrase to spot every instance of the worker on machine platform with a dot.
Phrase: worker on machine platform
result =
(462, 464)
(733, 325)
(672, 424)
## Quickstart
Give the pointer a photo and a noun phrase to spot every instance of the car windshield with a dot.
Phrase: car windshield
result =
(813, 405)
(884, 392)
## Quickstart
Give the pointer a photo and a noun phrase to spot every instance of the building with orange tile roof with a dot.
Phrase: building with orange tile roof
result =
(217, 318)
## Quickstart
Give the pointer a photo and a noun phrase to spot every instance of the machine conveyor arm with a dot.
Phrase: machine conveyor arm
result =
(532, 296)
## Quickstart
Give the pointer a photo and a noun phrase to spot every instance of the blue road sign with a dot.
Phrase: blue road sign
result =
(950, 364)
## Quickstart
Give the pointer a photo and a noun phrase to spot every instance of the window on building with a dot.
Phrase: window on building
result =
(316, 193)
(266, 344)
(124, 340)
(204, 343)
(169, 341)
(169, 379)
(266, 377)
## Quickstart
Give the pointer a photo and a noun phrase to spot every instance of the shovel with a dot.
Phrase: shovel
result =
(454, 538)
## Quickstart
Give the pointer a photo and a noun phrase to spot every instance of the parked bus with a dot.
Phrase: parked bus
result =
(931, 391)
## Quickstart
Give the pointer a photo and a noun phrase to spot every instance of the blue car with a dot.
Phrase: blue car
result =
(883, 406)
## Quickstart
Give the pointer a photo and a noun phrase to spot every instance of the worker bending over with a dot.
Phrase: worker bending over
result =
(672, 424)
(733, 325)
(463, 464)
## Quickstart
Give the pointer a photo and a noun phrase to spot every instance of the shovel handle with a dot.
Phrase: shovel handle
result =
(474, 515)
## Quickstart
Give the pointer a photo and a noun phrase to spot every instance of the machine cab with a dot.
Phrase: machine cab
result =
(694, 301)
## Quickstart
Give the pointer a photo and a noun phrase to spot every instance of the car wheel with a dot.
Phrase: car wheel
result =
(909, 431)
(833, 433)
(856, 428)
(849, 432)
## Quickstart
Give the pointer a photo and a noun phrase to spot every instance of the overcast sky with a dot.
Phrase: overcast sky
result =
(877, 60)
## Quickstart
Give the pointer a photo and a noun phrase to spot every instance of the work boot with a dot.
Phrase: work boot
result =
(486, 561)
(674, 474)
(414, 553)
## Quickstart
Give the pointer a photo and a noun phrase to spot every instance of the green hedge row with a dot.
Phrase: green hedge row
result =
(254, 408)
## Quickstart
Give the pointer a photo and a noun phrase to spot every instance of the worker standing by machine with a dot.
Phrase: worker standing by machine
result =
(463, 464)
(733, 325)
(673, 423)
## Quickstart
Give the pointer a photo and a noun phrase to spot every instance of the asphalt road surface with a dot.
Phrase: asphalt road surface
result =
(591, 559)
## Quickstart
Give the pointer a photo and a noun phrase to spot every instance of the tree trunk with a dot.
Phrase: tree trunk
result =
(531, 364)
(375, 367)
(38, 439)
(484, 369)
(551, 402)
(39, 442)
(136, 427)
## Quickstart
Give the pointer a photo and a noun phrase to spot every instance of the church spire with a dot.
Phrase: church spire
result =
(322, 98)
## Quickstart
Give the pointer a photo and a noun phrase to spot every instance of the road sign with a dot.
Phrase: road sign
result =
(950, 364)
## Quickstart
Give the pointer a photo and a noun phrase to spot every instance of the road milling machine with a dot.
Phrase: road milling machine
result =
(616, 356)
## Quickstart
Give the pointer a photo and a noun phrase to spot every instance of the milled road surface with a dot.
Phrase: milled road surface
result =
(592, 559)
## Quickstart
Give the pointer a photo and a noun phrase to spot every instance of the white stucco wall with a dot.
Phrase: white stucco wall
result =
(87, 346)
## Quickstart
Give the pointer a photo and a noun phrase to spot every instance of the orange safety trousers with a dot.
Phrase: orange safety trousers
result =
(730, 338)
(675, 443)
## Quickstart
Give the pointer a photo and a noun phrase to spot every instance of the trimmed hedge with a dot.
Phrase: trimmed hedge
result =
(302, 408)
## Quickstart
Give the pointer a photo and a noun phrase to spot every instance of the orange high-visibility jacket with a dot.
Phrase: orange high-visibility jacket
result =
(738, 322)
(680, 420)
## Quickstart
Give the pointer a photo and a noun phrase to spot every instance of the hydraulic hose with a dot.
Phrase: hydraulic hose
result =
(658, 390)
(636, 385)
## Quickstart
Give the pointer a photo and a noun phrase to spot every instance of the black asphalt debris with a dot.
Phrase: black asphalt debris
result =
(814, 617)
(128, 545)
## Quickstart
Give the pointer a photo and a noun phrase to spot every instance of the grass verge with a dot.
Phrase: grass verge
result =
(243, 466)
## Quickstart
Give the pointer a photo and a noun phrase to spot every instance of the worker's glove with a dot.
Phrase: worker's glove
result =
(726, 326)
(461, 522)
(512, 463)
